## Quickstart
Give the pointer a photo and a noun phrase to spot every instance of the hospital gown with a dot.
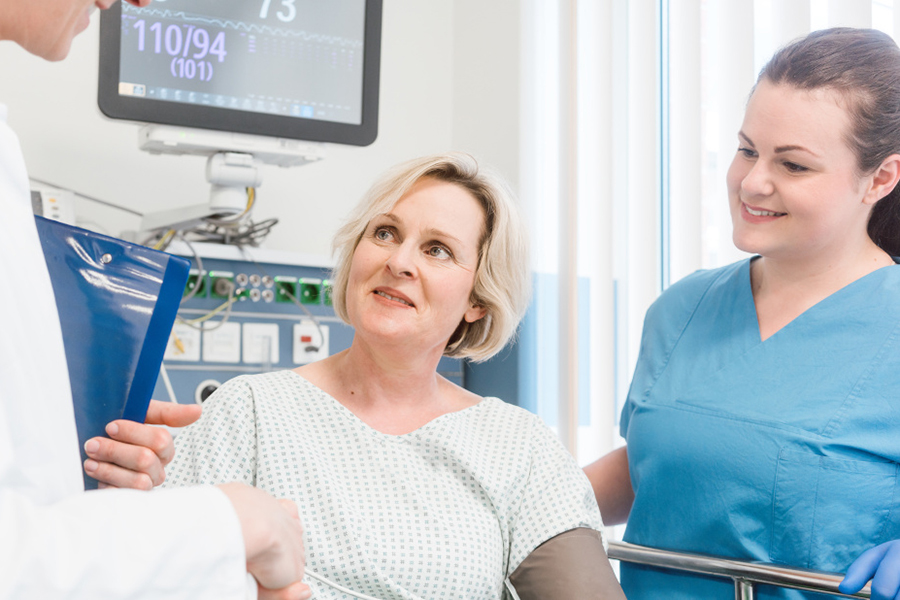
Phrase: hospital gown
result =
(784, 450)
(446, 511)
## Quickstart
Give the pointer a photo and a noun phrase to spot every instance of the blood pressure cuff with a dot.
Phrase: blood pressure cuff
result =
(570, 566)
(117, 302)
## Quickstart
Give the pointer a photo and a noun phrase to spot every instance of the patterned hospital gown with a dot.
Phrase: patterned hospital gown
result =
(446, 511)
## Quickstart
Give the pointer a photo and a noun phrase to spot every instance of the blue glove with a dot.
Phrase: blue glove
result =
(881, 564)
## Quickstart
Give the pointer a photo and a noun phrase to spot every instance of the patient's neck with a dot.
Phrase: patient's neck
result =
(390, 393)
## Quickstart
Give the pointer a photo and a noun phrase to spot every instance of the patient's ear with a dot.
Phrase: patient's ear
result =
(474, 313)
(570, 566)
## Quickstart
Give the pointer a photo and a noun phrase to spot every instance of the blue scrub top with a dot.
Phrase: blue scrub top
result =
(782, 451)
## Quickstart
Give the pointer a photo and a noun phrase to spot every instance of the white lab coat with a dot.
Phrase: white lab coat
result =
(56, 541)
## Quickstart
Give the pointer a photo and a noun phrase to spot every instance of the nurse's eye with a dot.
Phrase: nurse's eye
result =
(439, 251)
(747, 152)
(794, 167)
(383, 234)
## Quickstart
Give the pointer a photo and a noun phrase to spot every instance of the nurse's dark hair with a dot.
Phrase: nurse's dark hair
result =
(863, 65)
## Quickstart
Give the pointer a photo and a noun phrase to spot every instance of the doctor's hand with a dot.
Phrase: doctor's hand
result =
(273, 538)
(135, 454)
(881, 564)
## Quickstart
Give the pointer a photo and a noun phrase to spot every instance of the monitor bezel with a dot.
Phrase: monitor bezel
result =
(130, 108)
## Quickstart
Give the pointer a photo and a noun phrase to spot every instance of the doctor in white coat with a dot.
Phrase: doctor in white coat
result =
(56, 541)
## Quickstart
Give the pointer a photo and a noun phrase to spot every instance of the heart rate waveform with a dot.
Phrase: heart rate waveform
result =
(239, 25)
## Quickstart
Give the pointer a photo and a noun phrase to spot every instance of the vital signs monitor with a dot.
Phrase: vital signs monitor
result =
(297, 69)
(243, 82)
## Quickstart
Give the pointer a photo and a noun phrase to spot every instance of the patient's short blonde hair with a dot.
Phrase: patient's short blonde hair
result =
(502, 279)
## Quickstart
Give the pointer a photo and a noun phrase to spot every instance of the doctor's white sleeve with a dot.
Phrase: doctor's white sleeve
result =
(56, 541)
(112, 544)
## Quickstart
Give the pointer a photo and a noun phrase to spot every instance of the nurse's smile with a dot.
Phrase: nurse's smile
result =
(753, 214)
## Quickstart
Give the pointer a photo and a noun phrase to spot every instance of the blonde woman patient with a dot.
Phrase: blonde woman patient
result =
(409, 486)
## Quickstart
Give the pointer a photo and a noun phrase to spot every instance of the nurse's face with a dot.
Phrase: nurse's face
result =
(47, 27)
(793, 186)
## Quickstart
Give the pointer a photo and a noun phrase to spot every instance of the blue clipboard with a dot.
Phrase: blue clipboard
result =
(117, 302)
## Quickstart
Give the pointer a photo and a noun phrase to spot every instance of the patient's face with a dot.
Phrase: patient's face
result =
(413, 270)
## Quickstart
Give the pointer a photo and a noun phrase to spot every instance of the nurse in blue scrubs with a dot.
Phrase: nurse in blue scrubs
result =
(763, 420)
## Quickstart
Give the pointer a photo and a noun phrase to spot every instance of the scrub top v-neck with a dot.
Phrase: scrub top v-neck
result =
(784, 450)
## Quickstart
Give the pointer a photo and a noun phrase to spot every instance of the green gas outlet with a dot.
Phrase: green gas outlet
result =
(310, 290)
(326, 292)
(285, 289)
(196, 280)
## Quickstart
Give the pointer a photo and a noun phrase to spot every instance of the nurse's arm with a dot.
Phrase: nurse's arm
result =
(611, 481)
(135, 454)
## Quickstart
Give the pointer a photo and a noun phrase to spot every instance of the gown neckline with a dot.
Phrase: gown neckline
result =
(366, 427)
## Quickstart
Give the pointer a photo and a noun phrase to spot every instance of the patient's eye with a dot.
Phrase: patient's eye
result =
(383, 233)
(439, 251)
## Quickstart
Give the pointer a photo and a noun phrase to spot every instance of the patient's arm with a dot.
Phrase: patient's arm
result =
(611, 480)
(570, 566)
(135, 454)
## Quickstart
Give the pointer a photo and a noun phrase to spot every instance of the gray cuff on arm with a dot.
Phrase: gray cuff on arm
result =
(570, 566)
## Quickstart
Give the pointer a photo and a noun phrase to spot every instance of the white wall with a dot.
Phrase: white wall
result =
(449, 79)
(486, 82)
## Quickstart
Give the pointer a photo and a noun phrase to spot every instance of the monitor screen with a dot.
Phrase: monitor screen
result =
(299, 69)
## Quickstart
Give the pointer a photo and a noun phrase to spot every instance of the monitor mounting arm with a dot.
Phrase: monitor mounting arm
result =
(229, 175)
(233, 166)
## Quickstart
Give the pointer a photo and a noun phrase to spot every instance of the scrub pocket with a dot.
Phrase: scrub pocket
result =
(828, 510)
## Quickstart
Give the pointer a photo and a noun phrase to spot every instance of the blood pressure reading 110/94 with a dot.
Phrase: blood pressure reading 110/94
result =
(301, 58)
(188, 45)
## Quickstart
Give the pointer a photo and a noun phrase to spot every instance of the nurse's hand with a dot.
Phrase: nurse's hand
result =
(881, 564)
(135, 454)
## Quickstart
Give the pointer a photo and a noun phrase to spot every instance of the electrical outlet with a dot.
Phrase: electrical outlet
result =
(184, 344)
(310, 342)
(222, 344)
(260, 343)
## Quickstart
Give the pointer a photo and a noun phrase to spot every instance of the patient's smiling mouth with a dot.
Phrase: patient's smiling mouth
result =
(394, 298)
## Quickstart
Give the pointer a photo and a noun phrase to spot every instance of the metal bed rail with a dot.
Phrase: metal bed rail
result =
(744, 574)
